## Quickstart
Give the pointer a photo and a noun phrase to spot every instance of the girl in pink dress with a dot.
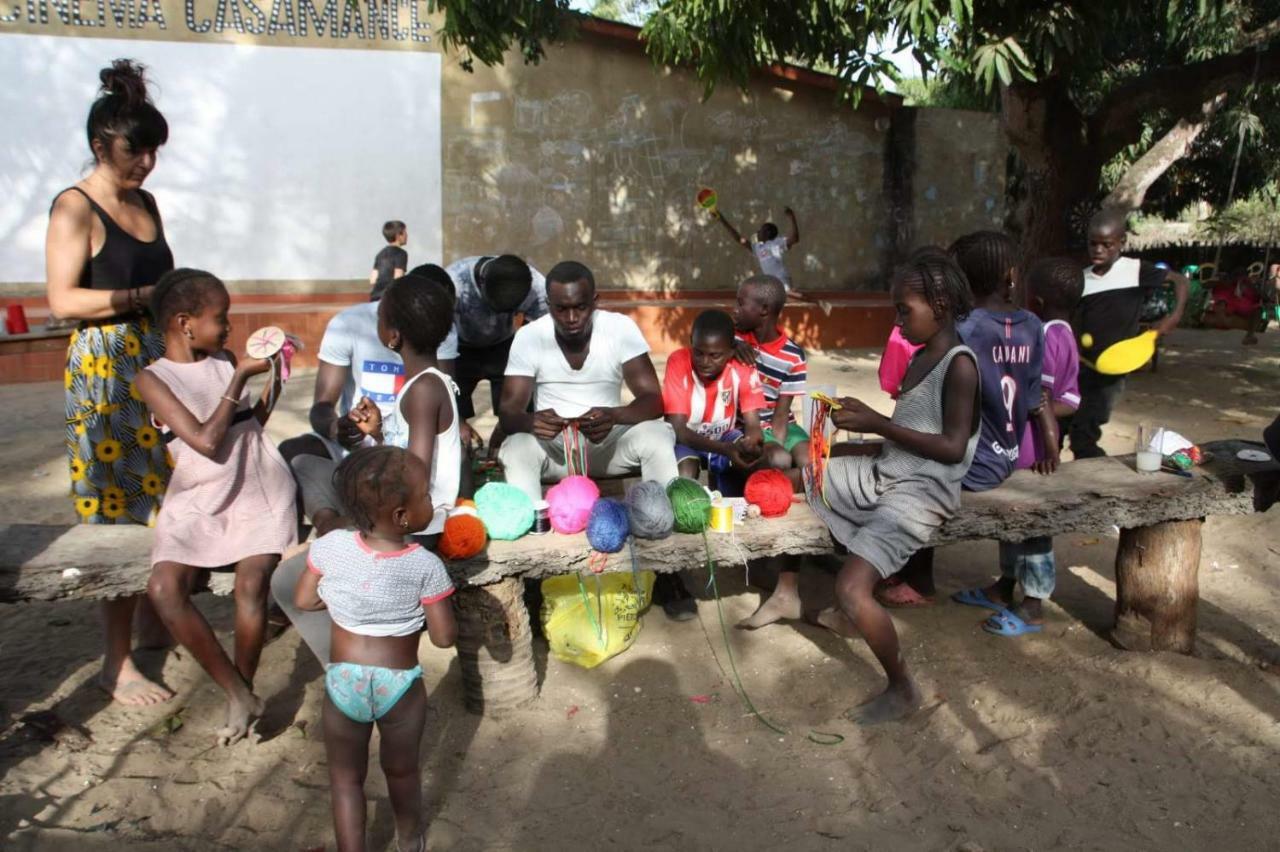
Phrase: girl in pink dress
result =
(231, 496)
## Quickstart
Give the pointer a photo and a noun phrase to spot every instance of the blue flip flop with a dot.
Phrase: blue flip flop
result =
(1008, 623)
(976, 597)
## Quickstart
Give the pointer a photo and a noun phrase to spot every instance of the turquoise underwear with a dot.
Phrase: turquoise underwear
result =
(365, 693)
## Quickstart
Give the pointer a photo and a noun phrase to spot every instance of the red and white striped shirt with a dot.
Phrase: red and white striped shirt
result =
(711, 407)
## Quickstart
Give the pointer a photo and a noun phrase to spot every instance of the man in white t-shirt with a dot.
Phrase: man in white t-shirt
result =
(572, 365)
(769, 247)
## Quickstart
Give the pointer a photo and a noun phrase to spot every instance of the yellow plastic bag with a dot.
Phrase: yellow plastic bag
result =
(589, 618)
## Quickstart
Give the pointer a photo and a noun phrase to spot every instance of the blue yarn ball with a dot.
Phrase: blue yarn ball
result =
(507, 511)
(608, 526)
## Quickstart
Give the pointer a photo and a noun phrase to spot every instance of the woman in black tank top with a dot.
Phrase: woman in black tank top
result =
(104, 252)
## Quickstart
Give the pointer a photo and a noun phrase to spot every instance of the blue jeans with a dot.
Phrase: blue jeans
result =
(1031, 563)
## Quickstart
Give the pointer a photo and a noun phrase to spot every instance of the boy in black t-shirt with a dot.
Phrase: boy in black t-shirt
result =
(392, 261)
(1115, 289)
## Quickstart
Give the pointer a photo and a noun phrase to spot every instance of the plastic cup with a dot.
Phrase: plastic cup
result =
(1147, 448)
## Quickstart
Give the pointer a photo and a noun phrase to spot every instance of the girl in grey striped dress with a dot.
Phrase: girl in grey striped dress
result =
(882, 501)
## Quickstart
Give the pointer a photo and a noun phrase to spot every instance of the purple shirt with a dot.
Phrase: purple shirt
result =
(1061, 375)
(1010, 350)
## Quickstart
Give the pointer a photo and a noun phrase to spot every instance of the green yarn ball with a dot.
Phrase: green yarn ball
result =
(690, 503)
(507, 511)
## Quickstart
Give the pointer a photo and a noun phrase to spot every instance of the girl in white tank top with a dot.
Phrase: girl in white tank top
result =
(414, 316)
(446, 454)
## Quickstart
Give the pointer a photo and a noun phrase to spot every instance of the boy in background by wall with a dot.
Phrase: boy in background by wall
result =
(769, 247)
(392, 261)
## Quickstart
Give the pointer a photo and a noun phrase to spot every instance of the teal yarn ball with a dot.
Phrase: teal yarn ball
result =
(608, 526)
(507, 511)
(690, 504)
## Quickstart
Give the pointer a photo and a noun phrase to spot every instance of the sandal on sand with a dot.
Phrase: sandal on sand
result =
(1007, 623)
(977, 597)
(902, 596)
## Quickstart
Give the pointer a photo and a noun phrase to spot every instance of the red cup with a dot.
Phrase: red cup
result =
(16, 319)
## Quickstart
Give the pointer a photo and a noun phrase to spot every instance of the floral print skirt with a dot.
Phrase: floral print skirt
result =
(119, 467)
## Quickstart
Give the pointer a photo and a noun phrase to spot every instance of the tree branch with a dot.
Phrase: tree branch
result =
(1261, 35)
(1183, 90)
(1131, 191)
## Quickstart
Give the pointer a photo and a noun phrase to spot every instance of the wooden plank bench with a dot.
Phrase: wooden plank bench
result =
(1157, 561)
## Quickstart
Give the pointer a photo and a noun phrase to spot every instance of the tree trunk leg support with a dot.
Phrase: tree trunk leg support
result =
(1158, 586)
(495, 647)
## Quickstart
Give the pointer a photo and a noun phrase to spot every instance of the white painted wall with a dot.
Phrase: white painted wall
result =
(282, 163)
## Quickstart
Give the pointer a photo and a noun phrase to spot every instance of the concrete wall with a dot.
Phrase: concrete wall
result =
(959, 181)
(594, 154)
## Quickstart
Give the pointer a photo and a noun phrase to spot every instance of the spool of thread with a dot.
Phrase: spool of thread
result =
(541, 518)
(721, 517)
(690, 505)
(649, 509)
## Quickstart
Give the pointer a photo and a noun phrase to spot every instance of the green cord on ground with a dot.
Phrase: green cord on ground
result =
(819, 737)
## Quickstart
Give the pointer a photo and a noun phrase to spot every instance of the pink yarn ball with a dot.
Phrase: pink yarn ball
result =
(569, 504)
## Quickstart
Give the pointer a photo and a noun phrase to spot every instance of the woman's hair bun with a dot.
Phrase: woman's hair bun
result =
(125, 79)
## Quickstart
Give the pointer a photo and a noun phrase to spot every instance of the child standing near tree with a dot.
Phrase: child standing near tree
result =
(380, 588)
(230, 501)
(1052, 293)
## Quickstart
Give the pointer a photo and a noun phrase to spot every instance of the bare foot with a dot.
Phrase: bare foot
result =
(131, 688)
(834, 619)
(242, 716)
(779, 606)
(895, 703)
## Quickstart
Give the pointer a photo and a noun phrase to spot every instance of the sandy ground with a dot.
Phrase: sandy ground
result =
(1052, 741)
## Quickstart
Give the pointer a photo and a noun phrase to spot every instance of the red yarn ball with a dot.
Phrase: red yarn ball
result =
(770, 490)
(463, 535)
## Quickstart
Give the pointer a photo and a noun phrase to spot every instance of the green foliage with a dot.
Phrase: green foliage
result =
(634, 12)
(1254, 220)
(945, 93)
(486, 29)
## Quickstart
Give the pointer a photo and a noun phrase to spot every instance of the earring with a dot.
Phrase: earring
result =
(190, 336)
(404, 525)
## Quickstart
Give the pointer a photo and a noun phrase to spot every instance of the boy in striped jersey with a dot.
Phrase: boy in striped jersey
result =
(781, 364)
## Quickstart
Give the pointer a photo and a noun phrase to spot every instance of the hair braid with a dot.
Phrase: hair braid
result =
(985, 257)
(182, 290)
(370, 480)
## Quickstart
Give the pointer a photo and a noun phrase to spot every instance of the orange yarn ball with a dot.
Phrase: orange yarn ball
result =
(463, 535)
(770, 490)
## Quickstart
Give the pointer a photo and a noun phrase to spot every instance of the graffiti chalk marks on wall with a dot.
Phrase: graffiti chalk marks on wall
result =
(333, 20)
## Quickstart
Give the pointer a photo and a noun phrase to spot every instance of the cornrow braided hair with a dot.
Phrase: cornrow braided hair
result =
(935, 274)
(985, 257)
(182, 291)
(370, 480)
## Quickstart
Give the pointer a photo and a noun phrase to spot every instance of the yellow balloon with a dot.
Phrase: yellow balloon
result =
(1086, 340)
